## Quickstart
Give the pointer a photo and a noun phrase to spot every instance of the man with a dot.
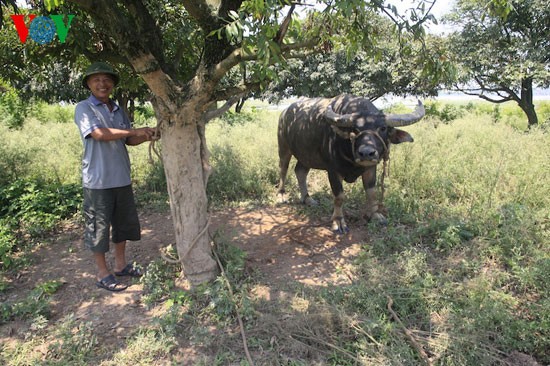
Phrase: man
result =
(108, 198)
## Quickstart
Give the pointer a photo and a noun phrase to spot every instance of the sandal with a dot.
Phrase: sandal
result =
(130, 270)
(109, 283)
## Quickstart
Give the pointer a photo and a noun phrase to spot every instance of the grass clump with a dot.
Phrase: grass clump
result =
(143, 348)
(244, 158)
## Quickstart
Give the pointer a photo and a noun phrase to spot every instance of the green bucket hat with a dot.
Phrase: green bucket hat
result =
(99, 68)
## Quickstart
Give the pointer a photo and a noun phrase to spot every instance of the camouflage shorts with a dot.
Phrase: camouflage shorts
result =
(109, 208)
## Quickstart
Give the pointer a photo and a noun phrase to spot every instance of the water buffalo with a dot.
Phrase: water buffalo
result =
(347, 136)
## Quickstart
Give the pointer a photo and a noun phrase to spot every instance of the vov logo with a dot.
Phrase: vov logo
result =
(42, 29)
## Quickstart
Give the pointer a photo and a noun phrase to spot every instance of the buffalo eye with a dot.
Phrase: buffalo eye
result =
(383, 129)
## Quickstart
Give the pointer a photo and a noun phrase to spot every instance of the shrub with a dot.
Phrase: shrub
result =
(447, 113)
(31, 208)
(58, 113)
(13, 110)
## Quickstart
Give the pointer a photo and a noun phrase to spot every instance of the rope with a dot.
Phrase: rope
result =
(423, 355)
(239, 318)
(168, 259)
(152, 147)
(385, 165)
(191, 246)
(385, 173)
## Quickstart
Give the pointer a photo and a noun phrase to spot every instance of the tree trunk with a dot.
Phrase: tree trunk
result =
(526, 103)
(185, 176)
(122, 101)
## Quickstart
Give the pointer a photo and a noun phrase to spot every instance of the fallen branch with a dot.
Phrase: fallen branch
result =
(409, 334)
(327, 344)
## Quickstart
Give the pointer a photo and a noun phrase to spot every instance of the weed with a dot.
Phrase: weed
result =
(496, 116)
(36, 304)
(52, 113)
(220, 302)
(74, 342)
(31, 208)
(157, 281)
(144, 115)
(232, 118)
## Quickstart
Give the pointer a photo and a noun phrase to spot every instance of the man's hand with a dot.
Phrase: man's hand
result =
(142, 134)
(147, 133)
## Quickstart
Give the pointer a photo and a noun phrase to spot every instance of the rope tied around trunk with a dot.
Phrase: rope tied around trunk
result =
(189, 248)
(152, 146)
(226, 281)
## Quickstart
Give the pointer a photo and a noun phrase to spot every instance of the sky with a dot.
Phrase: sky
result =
(440, 8)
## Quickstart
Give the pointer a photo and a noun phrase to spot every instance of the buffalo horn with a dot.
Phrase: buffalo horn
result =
(400, 120)
(338, 120)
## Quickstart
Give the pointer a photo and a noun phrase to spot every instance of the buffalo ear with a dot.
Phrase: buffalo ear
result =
(397, 136)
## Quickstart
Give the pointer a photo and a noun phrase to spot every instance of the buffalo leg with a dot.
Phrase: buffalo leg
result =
(369, 184)
(301, 174)
(338, 222)
(284, 160)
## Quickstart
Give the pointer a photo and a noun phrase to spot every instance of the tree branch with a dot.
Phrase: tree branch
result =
(479, 93)
(284, 26)
(239, 90)
(207, 116)
(238, 55)
(497, 101)
(202, 12)
(148, 31)
(142, 50)
(160, 83)
(511, 94)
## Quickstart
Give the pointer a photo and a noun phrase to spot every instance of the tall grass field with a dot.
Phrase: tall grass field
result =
(465, 257)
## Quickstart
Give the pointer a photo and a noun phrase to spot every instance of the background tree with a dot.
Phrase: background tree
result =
(185, 51)
(502, 52)
(6, 4)
(390, 71)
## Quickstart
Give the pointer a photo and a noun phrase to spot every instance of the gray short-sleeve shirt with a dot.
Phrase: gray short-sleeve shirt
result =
(105, 164)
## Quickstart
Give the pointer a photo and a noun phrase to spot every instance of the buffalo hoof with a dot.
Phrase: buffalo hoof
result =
(339, 226)
(310, 201)
(341, 231)
(379, 219)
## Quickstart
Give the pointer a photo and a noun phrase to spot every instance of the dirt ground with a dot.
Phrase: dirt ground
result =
(280, 244)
